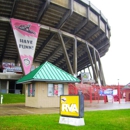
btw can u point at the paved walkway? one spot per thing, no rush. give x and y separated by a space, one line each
20 109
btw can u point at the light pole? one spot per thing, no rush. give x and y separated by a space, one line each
118 82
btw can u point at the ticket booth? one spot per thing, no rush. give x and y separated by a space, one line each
45 84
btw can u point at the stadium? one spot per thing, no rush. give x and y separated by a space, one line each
73 36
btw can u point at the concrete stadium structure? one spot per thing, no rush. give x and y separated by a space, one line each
73 35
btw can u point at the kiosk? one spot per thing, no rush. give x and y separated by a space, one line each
45 84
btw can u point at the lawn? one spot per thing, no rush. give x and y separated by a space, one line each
13 98
94 120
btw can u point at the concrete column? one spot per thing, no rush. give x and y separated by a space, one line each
65 54
7 87
101 74
95 62
91 62
90 72
75 57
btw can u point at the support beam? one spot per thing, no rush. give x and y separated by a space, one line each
89 72
81 25
80 59
4 19
63 32
94 30
75 57
54 52
97 40
81 63
103 52
40 14
67 15
65 54
95 62
102 79
43 45
100 46
100 75
13 8
54 30
71 58
84 22
80 66
42 11
91 61
103 49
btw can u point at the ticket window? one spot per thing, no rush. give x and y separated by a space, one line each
55 89
31 90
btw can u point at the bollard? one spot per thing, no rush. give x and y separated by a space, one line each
1 99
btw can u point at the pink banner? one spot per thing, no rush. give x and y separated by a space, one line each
26 34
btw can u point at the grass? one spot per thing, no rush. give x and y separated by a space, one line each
94 120
13 98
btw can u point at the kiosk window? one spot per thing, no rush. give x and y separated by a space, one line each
55 89
31 90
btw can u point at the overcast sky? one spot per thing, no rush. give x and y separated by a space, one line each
116 62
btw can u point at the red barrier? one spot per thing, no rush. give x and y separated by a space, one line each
91 92
72 89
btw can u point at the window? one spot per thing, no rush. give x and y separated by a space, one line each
50 90
60 89
55 89
31 90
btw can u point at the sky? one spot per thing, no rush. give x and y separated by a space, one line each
116 61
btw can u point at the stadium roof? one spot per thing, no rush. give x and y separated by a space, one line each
48 73
68 29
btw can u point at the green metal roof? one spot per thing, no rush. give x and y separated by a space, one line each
50 73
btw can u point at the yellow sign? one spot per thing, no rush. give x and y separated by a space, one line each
69 105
